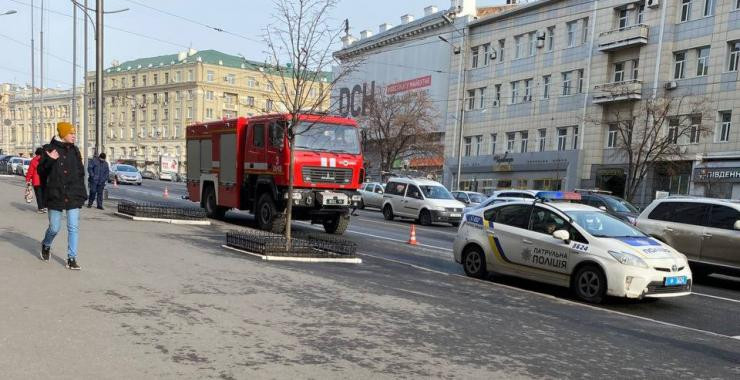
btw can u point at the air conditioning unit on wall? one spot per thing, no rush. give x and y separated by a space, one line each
671 85
653 3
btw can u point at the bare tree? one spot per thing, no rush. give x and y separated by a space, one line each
300 41
400 127
653 131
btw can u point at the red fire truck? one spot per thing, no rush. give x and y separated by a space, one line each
243 163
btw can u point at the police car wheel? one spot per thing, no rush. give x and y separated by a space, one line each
474 263
589 284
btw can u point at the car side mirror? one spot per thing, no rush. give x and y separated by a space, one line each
602 208
562 235
737 225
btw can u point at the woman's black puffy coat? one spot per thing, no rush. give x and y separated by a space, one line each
64 178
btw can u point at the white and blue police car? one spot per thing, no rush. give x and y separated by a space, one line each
572 245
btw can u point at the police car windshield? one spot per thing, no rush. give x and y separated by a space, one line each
435 192
601 224
619 205
327 137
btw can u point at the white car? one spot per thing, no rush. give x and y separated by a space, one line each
421 199
571 245
490 202
372 195
167 176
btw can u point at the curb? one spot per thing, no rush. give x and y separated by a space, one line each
297 259
168 221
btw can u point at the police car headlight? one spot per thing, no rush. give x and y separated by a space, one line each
628 259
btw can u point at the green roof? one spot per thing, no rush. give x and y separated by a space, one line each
209 57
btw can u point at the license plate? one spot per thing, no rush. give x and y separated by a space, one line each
334 201
675 281
456 215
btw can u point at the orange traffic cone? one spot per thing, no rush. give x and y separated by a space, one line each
412 237
166 193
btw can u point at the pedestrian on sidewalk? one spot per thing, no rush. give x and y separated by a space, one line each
64 189
34 179
97 172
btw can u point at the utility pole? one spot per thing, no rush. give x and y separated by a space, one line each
85 106
41 63
74 65
34 130
98 77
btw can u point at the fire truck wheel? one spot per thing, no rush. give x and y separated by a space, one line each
213 210
336 225
268 217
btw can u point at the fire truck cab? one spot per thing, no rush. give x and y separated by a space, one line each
243 164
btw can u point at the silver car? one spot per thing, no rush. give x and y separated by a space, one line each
125 174
706 230
372 195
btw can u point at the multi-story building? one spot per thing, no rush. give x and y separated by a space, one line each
410 56
17 128
540 112
150 101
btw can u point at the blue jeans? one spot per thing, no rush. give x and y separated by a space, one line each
73 224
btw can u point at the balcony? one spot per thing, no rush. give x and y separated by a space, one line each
617 92
631 36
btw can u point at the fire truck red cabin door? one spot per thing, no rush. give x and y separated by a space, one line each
255 161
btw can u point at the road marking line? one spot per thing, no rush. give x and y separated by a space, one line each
401 224
716 297
490 283
404 263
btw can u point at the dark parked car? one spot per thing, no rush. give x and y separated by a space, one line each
4 163
612 204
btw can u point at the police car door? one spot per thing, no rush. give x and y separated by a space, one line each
506 232
546 252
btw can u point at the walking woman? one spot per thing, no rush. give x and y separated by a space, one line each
34 179
61 167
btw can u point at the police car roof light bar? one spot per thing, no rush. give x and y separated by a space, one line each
559 195
596 191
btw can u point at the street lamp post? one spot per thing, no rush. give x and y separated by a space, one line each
460 101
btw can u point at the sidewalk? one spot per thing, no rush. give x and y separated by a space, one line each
164 301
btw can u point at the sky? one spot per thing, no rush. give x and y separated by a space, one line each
144 32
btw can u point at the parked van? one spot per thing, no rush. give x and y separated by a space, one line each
421 199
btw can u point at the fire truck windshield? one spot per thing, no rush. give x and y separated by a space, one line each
327 138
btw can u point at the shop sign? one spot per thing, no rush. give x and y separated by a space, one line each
717 174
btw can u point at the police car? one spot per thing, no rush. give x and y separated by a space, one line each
572 245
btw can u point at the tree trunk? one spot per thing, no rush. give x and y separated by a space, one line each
289 207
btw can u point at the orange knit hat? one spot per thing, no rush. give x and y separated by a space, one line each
64 128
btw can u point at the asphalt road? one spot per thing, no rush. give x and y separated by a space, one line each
714 306
173 304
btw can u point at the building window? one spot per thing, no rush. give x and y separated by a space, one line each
567 79
474 57
724 128
471 100
518 47
251 83
133 83
191 76
734 54
679 63
250 101
189 114
166 78
708 8
550 39
482 94
514 92
468 146
542 139
562 138
143 80
546 86
478 144
527 90
486 51
673 130
611 136
155 78
532 43
502 48
178 114
685 10
584 30
268 105
178 76
640 14
571 33
155 114
493 143
635 68
702 62
209 95
190 94
580 81
575 137
209 113
694 129
143 116
165 114
619 72
524 142
510 138
209 76
231 79
623 19
497 95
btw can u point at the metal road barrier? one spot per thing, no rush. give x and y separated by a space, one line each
304 245
160 210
